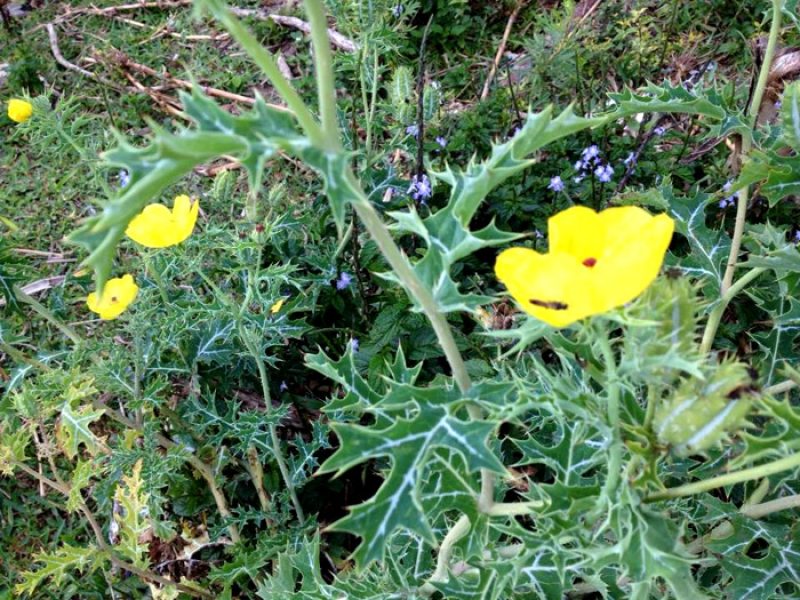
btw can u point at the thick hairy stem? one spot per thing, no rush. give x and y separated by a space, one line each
715 316
612 391
440 574
752 113
323 68
757 511
273 434
784 464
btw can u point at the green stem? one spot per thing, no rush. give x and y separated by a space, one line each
715 316
273 433
323 68
652 400
268 65
150 268
47 315
511 509
752 113
756 511
612 390
440 574
758 472
780 388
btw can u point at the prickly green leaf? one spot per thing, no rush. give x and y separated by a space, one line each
81 477
677 99
758 576
56 565
132 517
709 247
14 441
73 429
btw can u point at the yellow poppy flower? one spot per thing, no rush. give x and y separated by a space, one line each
118 293
159 227
277 306
19 110
596 262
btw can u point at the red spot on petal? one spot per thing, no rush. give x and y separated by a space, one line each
590 262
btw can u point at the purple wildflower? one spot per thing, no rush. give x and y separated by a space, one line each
659 131
577 178
590 153
604 173
354 344
344 281
124 178
797 237
556 184
441 141
397 10
580 165
283 387
412 130
630 159
729 201
538 234
420 188
778 104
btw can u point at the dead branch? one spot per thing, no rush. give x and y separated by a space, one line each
54 48
501 49
337 39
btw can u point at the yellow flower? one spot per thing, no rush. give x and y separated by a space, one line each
277 306
117 295
19 110
158 227
596 262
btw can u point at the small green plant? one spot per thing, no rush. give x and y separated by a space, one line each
601 440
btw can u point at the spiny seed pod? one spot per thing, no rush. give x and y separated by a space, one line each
401 95
431 99
222 188
673 304
702 413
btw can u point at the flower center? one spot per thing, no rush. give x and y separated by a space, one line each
589 262
113 299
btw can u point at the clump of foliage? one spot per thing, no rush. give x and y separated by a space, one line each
207 443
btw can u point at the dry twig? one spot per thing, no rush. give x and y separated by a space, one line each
501 49
337 39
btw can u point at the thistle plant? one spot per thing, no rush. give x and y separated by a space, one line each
544 477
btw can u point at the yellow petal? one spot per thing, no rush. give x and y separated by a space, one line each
184 215
632 263
19 110
576 231
277 306
153 227
118 293
554 288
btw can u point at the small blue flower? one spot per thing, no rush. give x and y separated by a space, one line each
344 281
604 173
797 237
630 159
283 387
556 184
727 186
354 344
577 178
729 201
413 130
778 104
441 141
538 234
590 153
659 131
124 178
580 165
397 10
420 188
